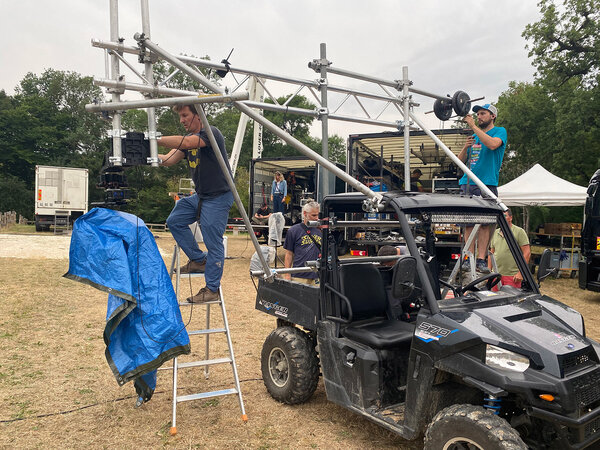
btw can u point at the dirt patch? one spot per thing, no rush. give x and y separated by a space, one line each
54 375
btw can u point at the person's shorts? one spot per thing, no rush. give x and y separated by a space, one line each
473 189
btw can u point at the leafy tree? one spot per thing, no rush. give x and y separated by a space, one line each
565 42
527 112
16 196
45 123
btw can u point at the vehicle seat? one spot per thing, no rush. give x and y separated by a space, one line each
363 286
402 308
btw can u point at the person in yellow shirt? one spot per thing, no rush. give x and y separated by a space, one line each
507 267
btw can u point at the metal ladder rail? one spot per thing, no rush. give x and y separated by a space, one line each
206 363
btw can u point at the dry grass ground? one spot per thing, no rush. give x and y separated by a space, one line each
54 375
55 380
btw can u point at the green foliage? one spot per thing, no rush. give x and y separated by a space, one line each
16 196
134 120
565 42
242 184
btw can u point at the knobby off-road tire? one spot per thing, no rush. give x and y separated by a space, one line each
289 365
471 427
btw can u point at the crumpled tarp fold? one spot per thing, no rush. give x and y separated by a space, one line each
115 252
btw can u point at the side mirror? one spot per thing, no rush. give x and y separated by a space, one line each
544 269
403 279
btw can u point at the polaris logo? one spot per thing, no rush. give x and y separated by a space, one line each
276 307
562 339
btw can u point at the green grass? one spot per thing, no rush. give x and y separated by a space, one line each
19 229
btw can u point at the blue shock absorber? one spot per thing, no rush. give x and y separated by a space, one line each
493 403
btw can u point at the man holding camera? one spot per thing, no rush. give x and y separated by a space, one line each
483 153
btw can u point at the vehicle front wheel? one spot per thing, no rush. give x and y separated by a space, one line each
289 365
471 427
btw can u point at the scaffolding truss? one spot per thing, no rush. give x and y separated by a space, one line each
397 94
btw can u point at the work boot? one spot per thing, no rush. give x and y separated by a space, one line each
481 266
193 267
466 265
204 295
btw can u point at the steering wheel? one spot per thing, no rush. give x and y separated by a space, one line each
454 289
492 280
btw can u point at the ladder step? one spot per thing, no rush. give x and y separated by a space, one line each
209 331
203 303
185 398
204 362
188 275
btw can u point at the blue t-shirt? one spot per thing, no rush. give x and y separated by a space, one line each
484 162
299 242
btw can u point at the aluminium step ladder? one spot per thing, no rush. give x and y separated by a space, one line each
207 362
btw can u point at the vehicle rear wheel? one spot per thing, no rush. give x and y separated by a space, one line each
289 365
471 427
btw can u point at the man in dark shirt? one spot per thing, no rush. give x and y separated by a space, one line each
212 201
261 216
303 243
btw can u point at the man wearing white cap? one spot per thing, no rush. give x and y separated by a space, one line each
483 153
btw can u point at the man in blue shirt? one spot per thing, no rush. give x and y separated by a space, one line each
483 153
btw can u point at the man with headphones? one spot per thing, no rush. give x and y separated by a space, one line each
209 205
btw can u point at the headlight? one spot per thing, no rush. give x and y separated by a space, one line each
500 358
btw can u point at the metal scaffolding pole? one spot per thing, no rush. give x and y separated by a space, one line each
324 176
292 80
153 160
188 99
117 158
392 83
156 90
374 197
406 109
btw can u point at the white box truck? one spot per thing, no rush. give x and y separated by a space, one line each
59 191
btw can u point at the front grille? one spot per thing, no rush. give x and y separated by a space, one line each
587 389
576 361
592 427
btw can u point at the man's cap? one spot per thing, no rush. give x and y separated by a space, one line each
417 171
490 108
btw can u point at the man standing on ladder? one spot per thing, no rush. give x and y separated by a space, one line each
209 205
483 153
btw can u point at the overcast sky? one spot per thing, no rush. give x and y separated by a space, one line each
474 46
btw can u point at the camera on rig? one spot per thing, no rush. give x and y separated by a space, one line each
135 151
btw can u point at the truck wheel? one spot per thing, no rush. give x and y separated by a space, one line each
471 427
289 365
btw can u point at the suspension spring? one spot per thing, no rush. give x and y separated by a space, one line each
493 403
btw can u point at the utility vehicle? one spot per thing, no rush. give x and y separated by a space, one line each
449 358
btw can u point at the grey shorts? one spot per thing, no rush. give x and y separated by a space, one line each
473 189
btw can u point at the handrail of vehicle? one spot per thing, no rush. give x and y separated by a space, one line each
311 266
346 299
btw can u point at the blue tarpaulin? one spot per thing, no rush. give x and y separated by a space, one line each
115 252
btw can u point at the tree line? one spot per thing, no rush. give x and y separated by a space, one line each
553 120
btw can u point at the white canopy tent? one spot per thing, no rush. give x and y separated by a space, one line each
538 187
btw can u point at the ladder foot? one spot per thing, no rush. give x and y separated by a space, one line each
173 431
244 418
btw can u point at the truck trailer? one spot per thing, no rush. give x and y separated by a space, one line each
301 175
61 194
